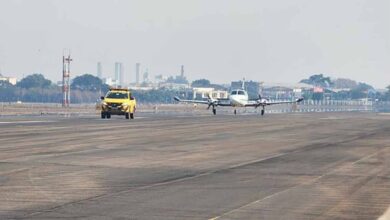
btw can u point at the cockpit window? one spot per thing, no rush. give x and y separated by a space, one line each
234 92
241 92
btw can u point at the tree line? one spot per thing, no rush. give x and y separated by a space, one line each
88 88
342 89
84 89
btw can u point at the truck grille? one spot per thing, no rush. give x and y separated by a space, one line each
114 105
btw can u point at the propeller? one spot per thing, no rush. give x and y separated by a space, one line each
260 101
211 101
176 98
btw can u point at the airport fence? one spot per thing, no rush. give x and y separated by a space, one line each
332 106
7 108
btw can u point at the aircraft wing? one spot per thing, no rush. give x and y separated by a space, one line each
257 104
224 104
191 101
285 102
219 102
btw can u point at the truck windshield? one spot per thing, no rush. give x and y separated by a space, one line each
117 95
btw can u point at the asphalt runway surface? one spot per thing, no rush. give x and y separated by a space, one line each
281 166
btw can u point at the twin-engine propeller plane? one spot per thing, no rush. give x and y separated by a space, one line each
237 98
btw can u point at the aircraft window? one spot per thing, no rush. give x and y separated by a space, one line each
241 93
234 93
117 95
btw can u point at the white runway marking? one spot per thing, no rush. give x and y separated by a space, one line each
22 122
386 215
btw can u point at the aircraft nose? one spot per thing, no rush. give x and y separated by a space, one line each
234 99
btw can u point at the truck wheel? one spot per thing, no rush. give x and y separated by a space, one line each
108 115
103 115
127 115
132 115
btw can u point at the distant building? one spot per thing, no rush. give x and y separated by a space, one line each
137 70
145 76
99 72
11 80
284 90
160 78
143 87
119 74
110 81
202 93
174 86
182 71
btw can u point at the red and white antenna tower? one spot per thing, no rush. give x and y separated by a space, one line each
65 80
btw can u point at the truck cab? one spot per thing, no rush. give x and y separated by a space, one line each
118 102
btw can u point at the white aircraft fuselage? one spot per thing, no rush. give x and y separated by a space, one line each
237 98
240 98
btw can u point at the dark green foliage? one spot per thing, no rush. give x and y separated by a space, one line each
88 82
357 90
6 85
387 94
318 96
87 89
201 83
53 95
34 81
156 96
7 92
342 83
361 91
318 80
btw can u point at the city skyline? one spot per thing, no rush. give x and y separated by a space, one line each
283 41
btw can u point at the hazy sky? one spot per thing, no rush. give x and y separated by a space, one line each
222 40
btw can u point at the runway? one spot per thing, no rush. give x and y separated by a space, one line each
162 166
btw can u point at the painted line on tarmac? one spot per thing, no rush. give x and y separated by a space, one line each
23 122
311 181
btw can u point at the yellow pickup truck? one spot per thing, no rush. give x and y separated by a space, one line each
118 102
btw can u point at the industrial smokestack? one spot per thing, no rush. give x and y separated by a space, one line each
137 69
99 72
